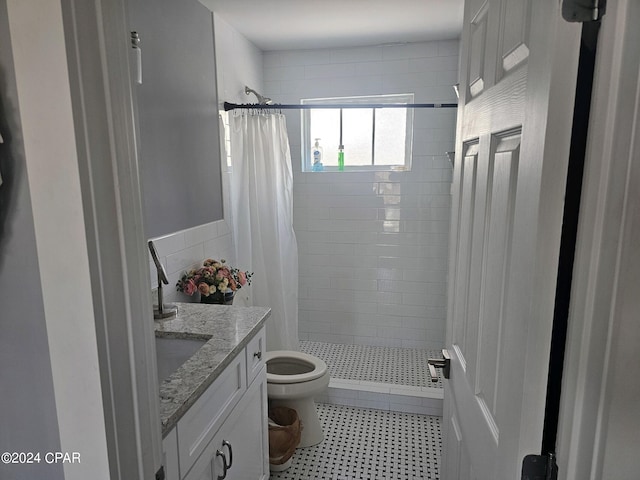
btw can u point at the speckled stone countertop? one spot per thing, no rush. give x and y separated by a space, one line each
227 328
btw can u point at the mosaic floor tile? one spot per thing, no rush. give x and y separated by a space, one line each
370 444
399 366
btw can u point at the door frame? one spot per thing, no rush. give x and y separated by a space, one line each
597 346
89 149
103 99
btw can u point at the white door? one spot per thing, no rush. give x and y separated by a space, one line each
517 82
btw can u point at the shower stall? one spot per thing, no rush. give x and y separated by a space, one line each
372 245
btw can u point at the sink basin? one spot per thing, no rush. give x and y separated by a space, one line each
173 352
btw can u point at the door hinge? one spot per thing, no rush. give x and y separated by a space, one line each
540 467
583 10
135 44
160 473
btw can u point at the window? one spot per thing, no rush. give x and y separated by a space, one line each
373 138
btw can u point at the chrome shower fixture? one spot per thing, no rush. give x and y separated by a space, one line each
261 100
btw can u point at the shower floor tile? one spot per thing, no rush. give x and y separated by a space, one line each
370 444
366 363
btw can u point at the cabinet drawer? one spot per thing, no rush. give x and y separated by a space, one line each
201 422
256 348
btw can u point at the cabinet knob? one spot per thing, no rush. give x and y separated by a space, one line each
258 354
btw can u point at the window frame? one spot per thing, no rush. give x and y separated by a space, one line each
305 119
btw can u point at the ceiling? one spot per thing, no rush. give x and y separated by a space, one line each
304 24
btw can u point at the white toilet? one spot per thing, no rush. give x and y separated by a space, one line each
293 379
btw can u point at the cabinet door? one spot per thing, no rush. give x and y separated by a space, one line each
170 454
245 431
202 470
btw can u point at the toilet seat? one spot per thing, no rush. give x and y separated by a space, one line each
311 367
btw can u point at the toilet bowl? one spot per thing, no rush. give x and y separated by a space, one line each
293 379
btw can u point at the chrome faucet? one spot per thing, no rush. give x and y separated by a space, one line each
161 311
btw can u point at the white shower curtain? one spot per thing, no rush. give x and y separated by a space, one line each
261 189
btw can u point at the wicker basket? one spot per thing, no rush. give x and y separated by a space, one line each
284 437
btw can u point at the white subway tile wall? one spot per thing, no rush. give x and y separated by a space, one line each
373 246
186 249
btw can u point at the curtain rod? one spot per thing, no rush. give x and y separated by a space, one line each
232 106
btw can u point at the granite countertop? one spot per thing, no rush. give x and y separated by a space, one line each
227 328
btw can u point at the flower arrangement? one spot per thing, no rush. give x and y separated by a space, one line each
213 278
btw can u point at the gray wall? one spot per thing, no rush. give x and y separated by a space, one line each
27 405
178 115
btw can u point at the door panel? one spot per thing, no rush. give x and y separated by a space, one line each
514 123
477 67
514 35
476 248
466 214
455 460
452 449
503 168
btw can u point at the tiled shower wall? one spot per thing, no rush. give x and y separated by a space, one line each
373 246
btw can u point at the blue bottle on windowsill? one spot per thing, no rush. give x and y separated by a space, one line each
316 153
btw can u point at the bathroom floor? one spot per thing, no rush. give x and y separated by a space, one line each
400 366
363 443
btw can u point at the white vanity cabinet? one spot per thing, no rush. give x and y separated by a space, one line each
237 451
224 434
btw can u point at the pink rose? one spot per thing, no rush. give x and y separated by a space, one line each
243 278
189 287
233 285
203 288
